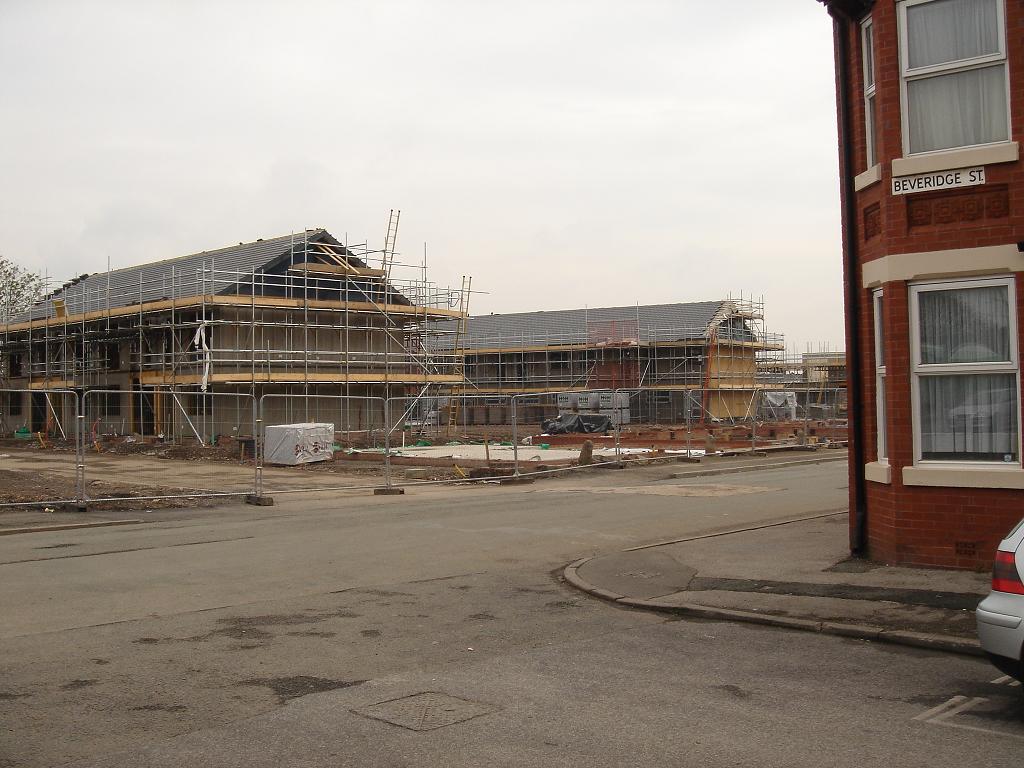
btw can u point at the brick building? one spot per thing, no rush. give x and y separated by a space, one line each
931 112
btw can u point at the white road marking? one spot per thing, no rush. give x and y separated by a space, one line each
963 706
1008 680
924 716
957 705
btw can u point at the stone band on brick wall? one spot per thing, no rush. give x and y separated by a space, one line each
959 262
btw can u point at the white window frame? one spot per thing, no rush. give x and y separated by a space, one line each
867 57
882 448
979 62
919 370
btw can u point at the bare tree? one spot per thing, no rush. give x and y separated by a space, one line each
19 289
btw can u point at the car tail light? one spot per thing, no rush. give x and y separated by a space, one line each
1005 577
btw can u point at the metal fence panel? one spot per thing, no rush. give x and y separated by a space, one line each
357 423
42 418
206 438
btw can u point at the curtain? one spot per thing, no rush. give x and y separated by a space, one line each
951 30
958 109
965 325
969 417
961 108
880 417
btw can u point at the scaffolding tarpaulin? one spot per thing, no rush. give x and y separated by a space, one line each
780 405
292 444
199 342
577 422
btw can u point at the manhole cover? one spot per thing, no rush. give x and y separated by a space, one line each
425 711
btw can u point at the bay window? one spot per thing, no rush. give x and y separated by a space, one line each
953 66
965 371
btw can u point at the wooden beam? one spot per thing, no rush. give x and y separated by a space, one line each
331 269
51 384
413 312
337 258
155 378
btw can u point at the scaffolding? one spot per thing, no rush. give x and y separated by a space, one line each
303 313
720 353
818 379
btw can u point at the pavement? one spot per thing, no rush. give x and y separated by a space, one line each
796 574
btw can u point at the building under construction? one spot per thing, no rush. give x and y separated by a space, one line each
816 379
696 360
168 342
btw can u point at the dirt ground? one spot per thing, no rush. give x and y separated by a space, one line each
27 486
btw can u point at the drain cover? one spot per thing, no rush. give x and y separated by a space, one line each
425 711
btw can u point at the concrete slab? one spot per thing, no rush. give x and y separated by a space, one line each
494 452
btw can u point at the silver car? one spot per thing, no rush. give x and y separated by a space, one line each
1001 614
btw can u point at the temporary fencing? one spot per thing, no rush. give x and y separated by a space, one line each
289 419
463 435
34 415
184 425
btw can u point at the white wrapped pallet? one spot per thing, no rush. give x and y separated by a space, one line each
566 401
619 416
292 444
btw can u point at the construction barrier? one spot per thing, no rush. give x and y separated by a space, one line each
184 427
306 430
464 435
43 418
221 445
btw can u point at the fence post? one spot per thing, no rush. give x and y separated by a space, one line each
616 405
754 421
807 417
80 451
689 408
256 497
388 489
515 439
257 442
387 442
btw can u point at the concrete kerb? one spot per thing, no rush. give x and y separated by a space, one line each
711 471
65 527
856 631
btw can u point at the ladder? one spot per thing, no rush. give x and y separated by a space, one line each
388 257
459 368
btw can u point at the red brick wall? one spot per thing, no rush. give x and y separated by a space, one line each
936 526
1001 221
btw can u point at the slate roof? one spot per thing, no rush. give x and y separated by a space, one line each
602 325
154 280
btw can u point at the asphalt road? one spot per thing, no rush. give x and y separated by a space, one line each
272 636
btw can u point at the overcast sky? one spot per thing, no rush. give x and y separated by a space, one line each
562 153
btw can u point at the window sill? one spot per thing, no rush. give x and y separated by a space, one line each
1006 152
872 175
964 477
878 472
